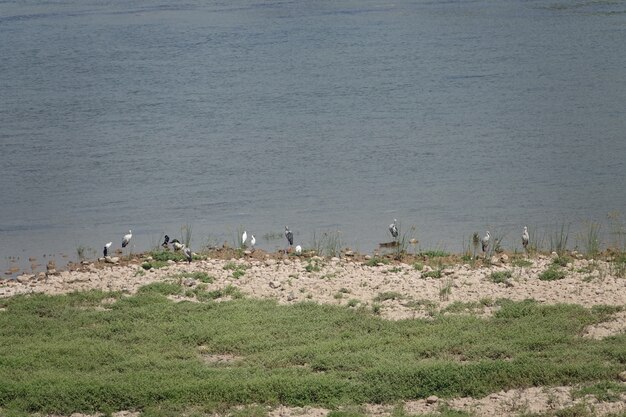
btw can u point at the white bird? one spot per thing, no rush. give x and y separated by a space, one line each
177 245
252 241
106 248
298 250
289 236
127 238
244 237
393 229
485 241
187 252
525 237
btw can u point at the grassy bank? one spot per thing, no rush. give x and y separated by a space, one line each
74 353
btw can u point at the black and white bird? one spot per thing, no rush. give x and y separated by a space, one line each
525 237
166 240
177 245
244 237
289 236
485 241
127 238
106 248
187 252
393 229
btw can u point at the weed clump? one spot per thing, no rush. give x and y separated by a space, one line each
436 273
500 277
553 273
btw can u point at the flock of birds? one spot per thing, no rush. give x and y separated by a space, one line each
393 229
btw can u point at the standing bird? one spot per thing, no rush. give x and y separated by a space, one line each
165 241
525 237
289 236
177 245
127 238
485 241
298 250
187 252
393 229
244 237
106 248
252 241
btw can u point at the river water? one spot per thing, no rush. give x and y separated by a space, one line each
452 116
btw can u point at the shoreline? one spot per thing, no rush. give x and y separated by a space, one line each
415 287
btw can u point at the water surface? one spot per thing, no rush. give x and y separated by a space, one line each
453 116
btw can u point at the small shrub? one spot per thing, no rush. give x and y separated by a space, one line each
418 266
432 274
376 308
376 260
562 261
500 277
200 276
353 302
153 264
239 270
522 263
553 273
166 255
228 291
163 288
389 295
312 266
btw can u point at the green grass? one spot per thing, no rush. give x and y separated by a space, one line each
199 276
166 255
60 355
313 266
521 263
376 260
436 273
562 260
553 273
153 264
389 295
500 277
239 270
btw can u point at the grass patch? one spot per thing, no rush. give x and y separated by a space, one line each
561 260
153 264
500 277
435 273
198 276
603 391
313 265
377 260
553 273
59 357
521 263
238 270
389 295
166 255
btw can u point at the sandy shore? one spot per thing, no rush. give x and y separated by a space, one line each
396 290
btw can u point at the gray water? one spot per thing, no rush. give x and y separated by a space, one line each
452 116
